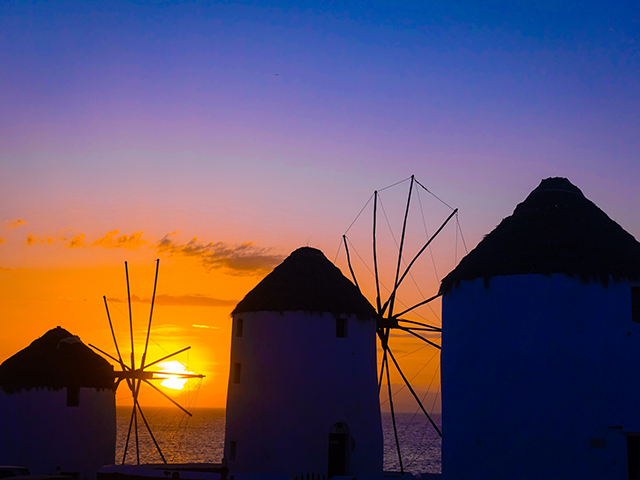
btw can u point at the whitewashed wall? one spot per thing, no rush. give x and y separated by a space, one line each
298 380
39 431
533 369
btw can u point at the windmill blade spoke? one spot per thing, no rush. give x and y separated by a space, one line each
168 398
413 392
393 417
425 325
126 444
375 252
406 271
420 337
113 333
155 442
424 302
346 248
168 356
124 367
404 229
384 361
153 299
133 357
173 374
135 420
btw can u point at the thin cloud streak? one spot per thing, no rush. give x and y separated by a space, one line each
243 259
128 242
11 224
195 300
77 241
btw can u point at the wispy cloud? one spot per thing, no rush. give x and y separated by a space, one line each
77 241
243 259
128 242
10 224
45 239
195 300
205 327
3 240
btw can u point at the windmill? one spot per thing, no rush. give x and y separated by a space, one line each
393 319
135 376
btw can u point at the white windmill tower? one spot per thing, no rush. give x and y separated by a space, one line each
303 392
57 407
541 346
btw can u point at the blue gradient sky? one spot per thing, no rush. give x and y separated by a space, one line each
179 102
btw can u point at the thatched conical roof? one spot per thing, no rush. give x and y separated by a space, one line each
306 281
56 360
555 230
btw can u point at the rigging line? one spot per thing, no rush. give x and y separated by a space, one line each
455 251
420 337
461 235
360 257
423 397
405 262
393 418
424 224
417 455
384 212
433 406
407 354
417 323
422 452
396 284
358 216
337 253
394 184
415 258
395 362
418 305
431 193
412 378
346 248
155 442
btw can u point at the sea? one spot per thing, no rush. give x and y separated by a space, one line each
200 438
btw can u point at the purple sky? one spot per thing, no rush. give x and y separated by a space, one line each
261 118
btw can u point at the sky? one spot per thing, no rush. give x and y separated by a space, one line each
220 136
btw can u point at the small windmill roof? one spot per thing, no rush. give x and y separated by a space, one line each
306 281
555 230
56 360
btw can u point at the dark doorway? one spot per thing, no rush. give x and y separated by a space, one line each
339 450
633 456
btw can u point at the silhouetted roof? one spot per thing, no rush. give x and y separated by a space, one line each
306 281
56 360
555 230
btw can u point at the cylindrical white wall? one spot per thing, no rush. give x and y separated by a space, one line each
539 378
41 432
297 380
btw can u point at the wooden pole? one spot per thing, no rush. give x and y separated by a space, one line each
393 418
375 251
414 393
346 247
391 300
133 358
153 299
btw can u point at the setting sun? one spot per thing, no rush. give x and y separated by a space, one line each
173 381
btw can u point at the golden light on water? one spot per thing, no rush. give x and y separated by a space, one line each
172 381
